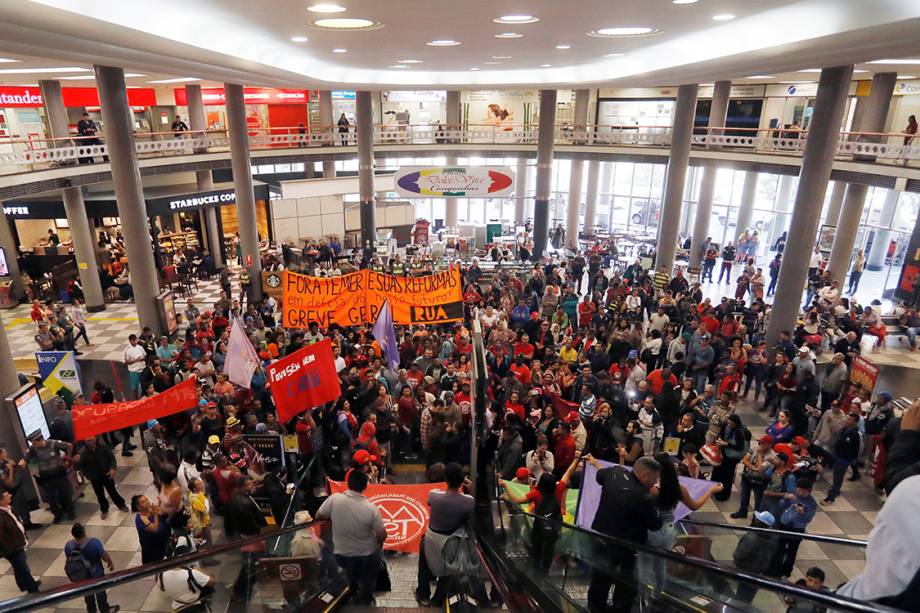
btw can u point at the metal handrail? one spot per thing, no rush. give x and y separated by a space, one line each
820 538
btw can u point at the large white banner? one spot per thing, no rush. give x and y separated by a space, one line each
454 181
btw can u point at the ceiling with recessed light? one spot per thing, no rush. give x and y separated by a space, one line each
474 43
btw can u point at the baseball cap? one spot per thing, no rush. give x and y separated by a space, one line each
211 404
885 396
522 473
766 438
213 439
572 417
801 441
362 457
765 517
151 423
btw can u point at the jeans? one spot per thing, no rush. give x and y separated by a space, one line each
700 377
97 601
747 487
726 271
21 571
788 549
707 271
81 332
103 485
772 287
622 563
361 572
854 281
912 336
840 471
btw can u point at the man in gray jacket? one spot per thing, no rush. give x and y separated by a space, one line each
834 376
754 552
699 361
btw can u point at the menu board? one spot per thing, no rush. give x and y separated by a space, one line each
31 413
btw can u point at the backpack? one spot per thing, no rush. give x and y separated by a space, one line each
77 567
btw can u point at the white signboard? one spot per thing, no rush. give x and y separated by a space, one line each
454 181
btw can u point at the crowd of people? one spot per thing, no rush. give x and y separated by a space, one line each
588 360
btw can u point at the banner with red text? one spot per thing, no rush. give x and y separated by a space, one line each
304 379
404 509
864 372
92 419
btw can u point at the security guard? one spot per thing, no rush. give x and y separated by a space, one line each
48 461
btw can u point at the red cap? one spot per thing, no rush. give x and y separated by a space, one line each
766 438
212 404
572 417
522 473
363 457
801 441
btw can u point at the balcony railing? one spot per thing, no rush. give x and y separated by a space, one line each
25 155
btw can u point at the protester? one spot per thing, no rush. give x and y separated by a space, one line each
85 557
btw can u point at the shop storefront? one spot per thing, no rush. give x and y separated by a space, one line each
419 108
265 107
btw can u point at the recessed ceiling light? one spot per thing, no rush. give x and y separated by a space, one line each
444 42
410 61
346 23
128 75
707 84
906 77
509 35
684 1
340 50
474 68
326 8
6 60
546 65
818 70
398 66
516 19
66 69
299 39
896 61
723 17
492 63
761 76
563 47
178 80
501 57
634 31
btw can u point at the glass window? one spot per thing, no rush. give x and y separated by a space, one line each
621 212
658 174
622 178
493 210
437 208
723 191
642 181
298 167
266 169
282 168
766 192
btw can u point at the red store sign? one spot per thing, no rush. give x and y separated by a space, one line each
31 97
252 95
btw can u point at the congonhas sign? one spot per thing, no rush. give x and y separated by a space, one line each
454 181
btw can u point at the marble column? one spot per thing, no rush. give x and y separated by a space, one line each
365 128
327 125
11 250
594 171
545 145
573 210
681 134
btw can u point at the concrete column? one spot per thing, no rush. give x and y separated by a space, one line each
452 110
365 128
748 195
9 380
11 249
836 201
450 204
871 111
129 194
242 185
607 187
879 251
327 123
520 191
594 172
545 143
573 212
681 133
197 121
84 244
717 113
820 146
783 202
581 112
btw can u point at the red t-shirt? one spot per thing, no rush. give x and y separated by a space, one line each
466 407
516 408
524 349
534 497
521 373
564 452
656 381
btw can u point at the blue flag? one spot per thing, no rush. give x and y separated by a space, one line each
385 335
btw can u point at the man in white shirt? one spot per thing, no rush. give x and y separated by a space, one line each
136 360
814 262
185 585
339 360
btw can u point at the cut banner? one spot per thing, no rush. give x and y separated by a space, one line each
357 297
92 419
305 379
404 509
591 494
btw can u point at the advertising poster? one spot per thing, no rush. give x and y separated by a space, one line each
357 297
303 380
59 371
404 509
864 372
454 182
501 109
911 268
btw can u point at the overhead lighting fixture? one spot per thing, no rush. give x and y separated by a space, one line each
299 39
613 55
761 76
177 80
443 42
410 61
501 57
634 31
818 70
515 19
906 77
398 66
684 1
326 8
474 68
340 50
546 65
563 47
492 63
6 60
64 70
723 17
88 77
509 35
346 23
897 61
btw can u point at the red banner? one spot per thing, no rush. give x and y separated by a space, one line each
31 97
864 372
404 509
304 379
92 419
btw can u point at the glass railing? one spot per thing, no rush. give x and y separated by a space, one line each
285 569
577 569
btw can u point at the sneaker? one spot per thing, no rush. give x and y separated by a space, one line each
855 477
114 608
423 602
739 515
827 501
127 454
105 515
124 509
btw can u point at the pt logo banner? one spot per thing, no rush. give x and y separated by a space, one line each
59 370
404 509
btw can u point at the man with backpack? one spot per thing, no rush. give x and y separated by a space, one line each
84 559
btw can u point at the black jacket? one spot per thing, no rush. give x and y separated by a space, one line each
96 464
248 519
12 539
626 508
847 446
903 458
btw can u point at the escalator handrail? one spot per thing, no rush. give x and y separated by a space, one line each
828 599
821 538
505 579
70 591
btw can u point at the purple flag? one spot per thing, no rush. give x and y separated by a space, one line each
242 359
591 494
385 335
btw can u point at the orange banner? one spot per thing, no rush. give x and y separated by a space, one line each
356 298
404 509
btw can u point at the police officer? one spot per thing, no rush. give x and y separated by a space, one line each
47 458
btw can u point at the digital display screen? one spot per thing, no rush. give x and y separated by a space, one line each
31 413
4 267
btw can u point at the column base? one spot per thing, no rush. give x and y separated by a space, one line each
95 309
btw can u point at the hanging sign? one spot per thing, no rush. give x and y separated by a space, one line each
454 181
59 370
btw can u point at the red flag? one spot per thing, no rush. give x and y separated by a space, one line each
92 419
304 379
404 509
